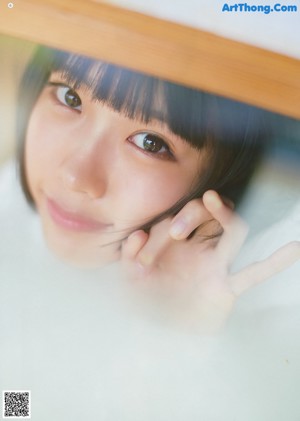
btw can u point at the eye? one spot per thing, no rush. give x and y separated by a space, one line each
68 97
151 143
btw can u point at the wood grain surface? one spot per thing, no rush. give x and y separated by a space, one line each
179 53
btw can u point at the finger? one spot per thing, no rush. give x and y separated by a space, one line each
235 229
133 244
191 216
260 271
158 241
227 202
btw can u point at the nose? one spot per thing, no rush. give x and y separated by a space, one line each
91 152
82 172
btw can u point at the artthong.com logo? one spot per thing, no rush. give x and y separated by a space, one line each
265 8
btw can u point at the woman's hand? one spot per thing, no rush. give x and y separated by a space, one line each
185 263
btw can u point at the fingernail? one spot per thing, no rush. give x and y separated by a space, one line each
178 228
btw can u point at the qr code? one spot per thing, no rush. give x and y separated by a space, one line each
16 404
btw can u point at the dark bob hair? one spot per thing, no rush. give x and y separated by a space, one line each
230 132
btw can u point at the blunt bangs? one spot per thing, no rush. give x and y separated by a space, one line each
195 116
187 112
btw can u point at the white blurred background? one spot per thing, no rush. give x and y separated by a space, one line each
72 338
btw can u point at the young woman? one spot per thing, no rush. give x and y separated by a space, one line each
120 165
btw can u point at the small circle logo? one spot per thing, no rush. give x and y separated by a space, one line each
10 5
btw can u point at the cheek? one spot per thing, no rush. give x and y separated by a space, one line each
40 150
147 194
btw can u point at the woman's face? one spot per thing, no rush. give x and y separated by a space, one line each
95 174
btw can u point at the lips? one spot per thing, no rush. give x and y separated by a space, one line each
71 220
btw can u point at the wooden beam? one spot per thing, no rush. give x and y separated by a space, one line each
161 48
